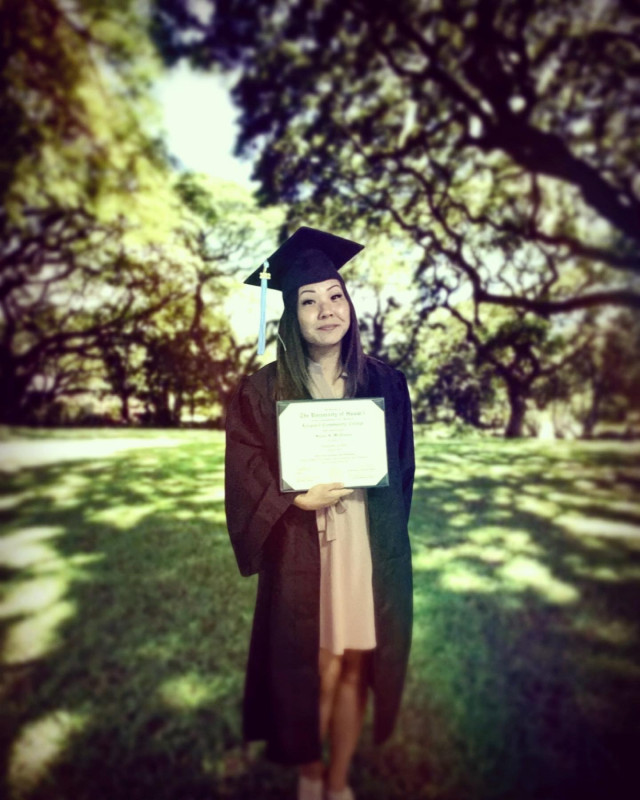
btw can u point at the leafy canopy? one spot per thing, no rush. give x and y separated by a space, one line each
500 136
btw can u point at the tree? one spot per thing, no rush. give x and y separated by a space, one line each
500 136
74 93
69 286
603 384
185 355
112 268
521 351
79 172
455 388
491 373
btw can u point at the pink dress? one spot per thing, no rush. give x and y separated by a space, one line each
346 591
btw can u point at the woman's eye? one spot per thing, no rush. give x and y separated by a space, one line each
336 297
307 302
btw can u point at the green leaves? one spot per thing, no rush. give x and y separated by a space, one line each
474 127
113 269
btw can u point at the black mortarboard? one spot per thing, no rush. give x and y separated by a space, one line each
308 256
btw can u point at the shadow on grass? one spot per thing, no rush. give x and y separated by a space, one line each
125 628
525 669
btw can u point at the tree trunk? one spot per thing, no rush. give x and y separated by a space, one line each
161 415
124 407
176 414
593 413
517 410
12 396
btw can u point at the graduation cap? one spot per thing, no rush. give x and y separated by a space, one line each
308 256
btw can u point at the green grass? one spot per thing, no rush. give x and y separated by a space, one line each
15 433
125 628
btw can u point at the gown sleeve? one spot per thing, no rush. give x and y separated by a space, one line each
406 448
253 502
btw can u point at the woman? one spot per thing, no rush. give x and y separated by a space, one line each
334 604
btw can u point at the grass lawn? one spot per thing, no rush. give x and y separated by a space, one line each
125 626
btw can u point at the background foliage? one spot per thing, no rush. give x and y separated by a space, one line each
486 152
114 263
498 139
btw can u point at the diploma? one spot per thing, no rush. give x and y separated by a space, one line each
327 441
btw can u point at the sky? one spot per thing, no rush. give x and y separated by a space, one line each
199 120
200 128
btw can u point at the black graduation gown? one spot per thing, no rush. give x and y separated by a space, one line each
279 541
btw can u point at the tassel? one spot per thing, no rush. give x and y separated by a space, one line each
264 277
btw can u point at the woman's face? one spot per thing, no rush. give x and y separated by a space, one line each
323 313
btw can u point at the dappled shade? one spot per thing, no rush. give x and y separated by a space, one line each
125 627
527 573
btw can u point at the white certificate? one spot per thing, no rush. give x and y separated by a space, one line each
327 441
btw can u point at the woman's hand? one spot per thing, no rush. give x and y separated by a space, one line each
321 495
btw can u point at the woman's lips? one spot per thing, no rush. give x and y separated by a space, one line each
328 327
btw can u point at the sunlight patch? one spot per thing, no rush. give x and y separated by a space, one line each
65 492
599 526
211 494
452 507
15 455
124 516
461 520
37 635
576 500
486 535
38 747
586 485
192 691
606 573
28 596
459 579
498 471
609 574
69 567
537 505
492 554
432 558
614 631
624 507
184 515
502 495
473 496
217 518
24 548
520 541
525 573
512 540
26 555
10 501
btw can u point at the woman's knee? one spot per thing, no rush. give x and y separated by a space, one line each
330 670
354 666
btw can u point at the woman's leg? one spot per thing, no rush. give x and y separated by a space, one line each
350 698
329 666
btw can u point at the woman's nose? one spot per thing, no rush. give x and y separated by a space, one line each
324 310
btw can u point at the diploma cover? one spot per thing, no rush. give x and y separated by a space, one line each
327 441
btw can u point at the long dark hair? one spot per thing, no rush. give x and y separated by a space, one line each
292 374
